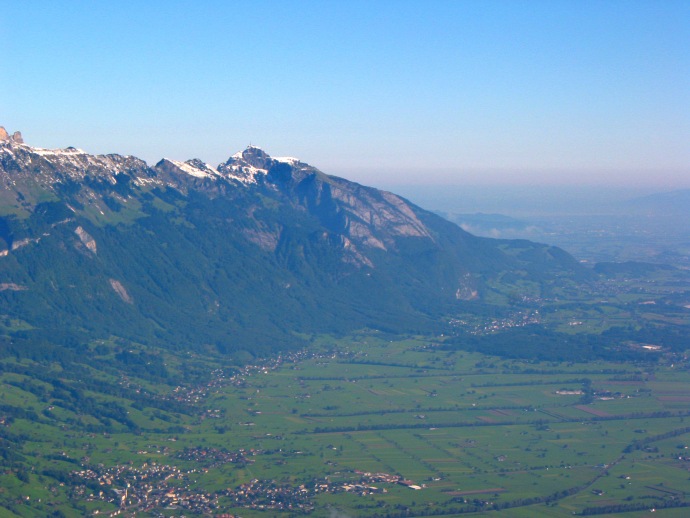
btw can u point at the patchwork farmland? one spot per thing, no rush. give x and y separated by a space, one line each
369 427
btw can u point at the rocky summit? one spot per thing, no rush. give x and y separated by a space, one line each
257 252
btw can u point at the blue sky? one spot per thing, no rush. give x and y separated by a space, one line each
381 92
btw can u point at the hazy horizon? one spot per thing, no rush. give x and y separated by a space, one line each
521 200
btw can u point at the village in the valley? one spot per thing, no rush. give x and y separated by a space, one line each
155 486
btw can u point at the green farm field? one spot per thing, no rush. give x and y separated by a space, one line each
362 426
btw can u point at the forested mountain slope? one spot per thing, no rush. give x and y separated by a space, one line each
252 254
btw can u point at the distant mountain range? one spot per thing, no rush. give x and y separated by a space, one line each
491 225
673 203
254 254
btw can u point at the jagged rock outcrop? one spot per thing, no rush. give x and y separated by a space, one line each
86 239
120 290
15 137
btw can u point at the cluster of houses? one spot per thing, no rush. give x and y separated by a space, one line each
498 324
152 486
268 495
389 479
194 394
214 457
161 486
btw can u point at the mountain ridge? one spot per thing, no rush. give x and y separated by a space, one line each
254 252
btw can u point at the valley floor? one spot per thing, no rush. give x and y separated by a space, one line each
363 426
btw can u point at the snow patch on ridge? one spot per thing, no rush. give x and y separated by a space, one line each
202 170
243 173
70 151
286 159
69 162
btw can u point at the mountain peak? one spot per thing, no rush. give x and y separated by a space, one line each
254 156
251 148
245 166
15 137
194 167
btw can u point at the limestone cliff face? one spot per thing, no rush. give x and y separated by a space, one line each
368 218
362 218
